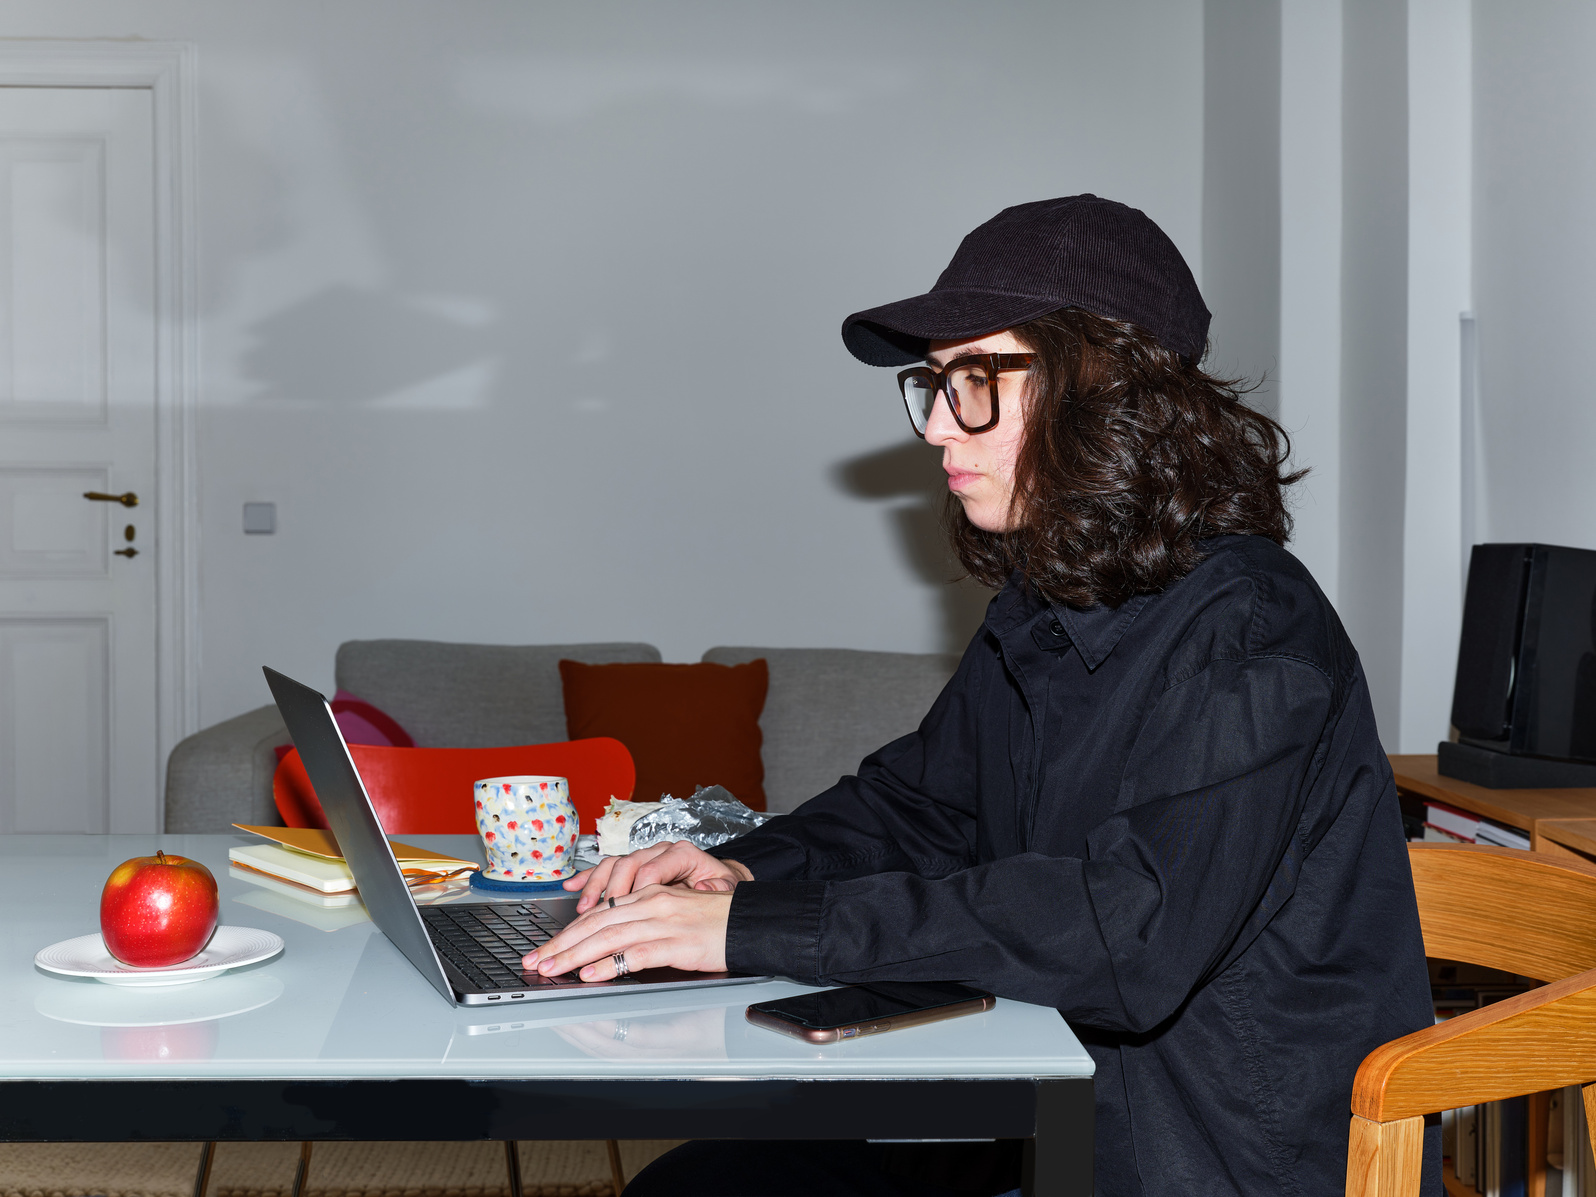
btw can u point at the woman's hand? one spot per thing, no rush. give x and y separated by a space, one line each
659 926
664 864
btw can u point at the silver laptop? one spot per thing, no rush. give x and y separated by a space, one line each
470 951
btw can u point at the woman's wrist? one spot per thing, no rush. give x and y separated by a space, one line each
744 873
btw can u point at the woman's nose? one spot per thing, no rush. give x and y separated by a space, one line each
940 426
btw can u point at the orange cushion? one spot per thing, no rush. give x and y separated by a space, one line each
686 725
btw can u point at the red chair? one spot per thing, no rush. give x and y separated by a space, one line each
427 791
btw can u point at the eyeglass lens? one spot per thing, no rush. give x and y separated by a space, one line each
969 390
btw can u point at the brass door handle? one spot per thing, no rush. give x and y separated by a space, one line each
128 552
128 500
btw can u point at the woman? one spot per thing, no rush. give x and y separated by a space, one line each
1152 796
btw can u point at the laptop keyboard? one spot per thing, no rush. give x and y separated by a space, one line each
486 942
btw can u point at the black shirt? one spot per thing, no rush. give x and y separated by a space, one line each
1174 822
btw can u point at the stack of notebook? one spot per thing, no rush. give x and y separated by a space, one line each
309 859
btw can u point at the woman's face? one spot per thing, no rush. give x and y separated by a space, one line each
981 466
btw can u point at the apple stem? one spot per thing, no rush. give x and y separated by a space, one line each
160 857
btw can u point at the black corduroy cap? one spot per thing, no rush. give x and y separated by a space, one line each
1077 252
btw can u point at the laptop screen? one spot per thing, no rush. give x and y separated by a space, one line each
355 825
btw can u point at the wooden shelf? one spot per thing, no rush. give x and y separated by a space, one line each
1576 834
1529 810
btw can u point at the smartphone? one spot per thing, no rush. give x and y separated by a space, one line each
833 1015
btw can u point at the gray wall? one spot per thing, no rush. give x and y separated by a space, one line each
525 314
1241 191
1374 343
1535 259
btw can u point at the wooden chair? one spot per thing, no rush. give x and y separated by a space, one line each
427 791
1523 912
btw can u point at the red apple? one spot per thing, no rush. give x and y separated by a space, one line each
157 911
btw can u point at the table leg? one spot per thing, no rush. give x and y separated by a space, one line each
1058 1161
202 1178
617 1173
302 1172
512 1166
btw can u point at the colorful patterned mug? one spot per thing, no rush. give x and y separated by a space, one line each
528 827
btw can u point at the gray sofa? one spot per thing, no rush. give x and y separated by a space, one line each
827 708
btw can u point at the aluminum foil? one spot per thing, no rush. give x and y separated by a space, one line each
710 817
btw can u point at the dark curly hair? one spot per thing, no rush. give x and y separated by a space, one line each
1131 456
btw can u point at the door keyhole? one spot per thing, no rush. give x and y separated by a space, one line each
128 533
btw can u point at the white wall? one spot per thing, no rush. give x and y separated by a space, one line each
1535 259
1309 381
525 314
1376 268
1440 160
1241 192
1373 349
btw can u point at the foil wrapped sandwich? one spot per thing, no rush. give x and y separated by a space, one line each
710 817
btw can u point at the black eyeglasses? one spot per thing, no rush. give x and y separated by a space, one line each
970 383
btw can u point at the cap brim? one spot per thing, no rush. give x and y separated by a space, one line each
900 334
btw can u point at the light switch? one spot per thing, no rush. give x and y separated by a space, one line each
260 519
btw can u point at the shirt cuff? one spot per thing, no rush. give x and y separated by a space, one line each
765 857
774 927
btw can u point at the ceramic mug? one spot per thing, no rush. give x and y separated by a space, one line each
528 828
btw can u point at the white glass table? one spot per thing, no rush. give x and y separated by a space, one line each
340 1038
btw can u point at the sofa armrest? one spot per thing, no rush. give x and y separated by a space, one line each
223 775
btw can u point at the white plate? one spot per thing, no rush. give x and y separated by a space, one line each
230 947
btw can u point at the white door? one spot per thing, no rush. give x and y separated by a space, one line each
77 417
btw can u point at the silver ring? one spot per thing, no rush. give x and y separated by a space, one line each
612 903
620 964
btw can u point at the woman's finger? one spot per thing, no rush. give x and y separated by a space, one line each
603 937
612 877
623 872
624 880
579 928
598 878
667 866
637 956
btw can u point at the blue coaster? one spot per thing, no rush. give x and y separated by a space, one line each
478 881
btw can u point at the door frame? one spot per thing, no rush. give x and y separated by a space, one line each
167 69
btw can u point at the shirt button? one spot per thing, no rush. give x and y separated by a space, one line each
1056 628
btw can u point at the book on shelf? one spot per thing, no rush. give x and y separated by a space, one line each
1451 820
1446 824
1502 837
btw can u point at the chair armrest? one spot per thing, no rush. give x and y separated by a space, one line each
223 775
1544 1039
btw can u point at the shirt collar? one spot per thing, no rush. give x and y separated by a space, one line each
1096 630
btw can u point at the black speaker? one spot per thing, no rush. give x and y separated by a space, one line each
1526 668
